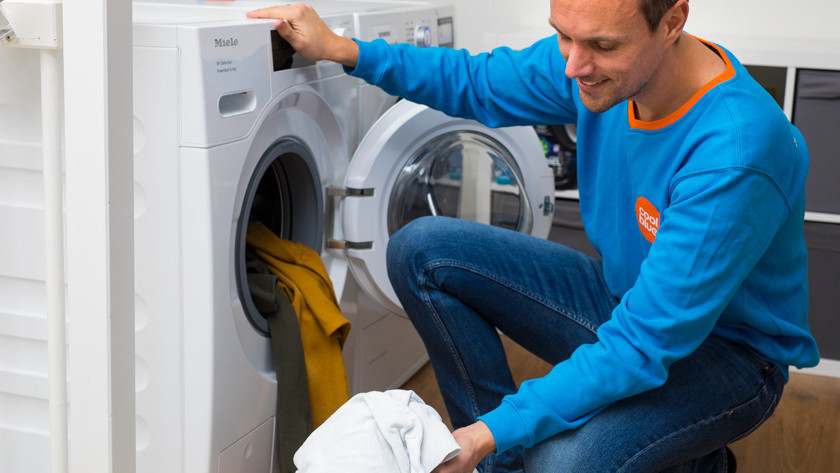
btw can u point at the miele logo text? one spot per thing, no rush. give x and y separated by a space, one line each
226 43
648 217
384 34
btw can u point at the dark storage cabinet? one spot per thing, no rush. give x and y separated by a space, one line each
816 112
567 227
773 79
823 240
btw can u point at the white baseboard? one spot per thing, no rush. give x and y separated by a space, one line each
825 367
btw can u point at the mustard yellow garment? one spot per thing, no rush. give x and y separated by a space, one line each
323 329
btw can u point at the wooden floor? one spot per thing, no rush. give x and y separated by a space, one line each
802 436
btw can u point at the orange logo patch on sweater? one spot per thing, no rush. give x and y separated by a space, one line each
648 218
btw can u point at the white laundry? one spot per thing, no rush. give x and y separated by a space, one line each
382 432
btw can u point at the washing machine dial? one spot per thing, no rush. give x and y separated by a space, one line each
423 36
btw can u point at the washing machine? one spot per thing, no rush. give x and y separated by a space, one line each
413 161
230 126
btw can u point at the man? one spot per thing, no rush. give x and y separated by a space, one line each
691 186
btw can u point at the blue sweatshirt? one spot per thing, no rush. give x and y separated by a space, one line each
698 218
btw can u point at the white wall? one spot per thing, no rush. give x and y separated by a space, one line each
790 19
518 22
479 22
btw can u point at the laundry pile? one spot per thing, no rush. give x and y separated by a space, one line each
290 287
392 431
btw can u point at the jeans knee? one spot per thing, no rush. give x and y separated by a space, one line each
403 240
553 455
403 247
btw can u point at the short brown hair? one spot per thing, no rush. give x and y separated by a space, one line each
654 10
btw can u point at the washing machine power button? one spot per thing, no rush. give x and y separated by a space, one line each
423 36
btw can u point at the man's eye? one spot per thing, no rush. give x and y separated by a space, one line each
604 47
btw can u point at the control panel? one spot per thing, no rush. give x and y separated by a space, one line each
419 26
229 65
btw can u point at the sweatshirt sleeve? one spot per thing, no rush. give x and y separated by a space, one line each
682 289
500 88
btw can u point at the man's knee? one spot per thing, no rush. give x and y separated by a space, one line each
405 247
404 242
424 238
556 454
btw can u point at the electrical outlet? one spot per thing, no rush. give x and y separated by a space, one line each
7 33
31 23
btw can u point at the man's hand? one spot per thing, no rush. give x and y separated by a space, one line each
476 442
309 35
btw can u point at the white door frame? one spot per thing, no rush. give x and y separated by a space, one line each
100 234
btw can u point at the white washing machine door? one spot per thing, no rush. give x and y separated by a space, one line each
416 161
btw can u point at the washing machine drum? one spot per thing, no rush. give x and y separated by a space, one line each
435 182
285 195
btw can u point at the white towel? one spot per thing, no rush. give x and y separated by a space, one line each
388 432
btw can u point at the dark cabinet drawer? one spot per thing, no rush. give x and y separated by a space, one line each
816 112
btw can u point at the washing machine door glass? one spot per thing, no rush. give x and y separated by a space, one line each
416 161
462 174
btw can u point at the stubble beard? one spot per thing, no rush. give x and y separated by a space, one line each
594 105
615 96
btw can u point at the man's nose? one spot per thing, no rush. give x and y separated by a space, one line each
578 62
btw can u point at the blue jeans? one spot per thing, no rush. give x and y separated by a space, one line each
460 282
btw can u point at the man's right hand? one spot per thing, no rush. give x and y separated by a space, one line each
301 26
476 442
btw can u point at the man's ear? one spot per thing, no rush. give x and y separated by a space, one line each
674 20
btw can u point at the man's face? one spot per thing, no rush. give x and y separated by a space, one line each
609 49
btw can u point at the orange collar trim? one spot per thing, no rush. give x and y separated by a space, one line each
727 74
